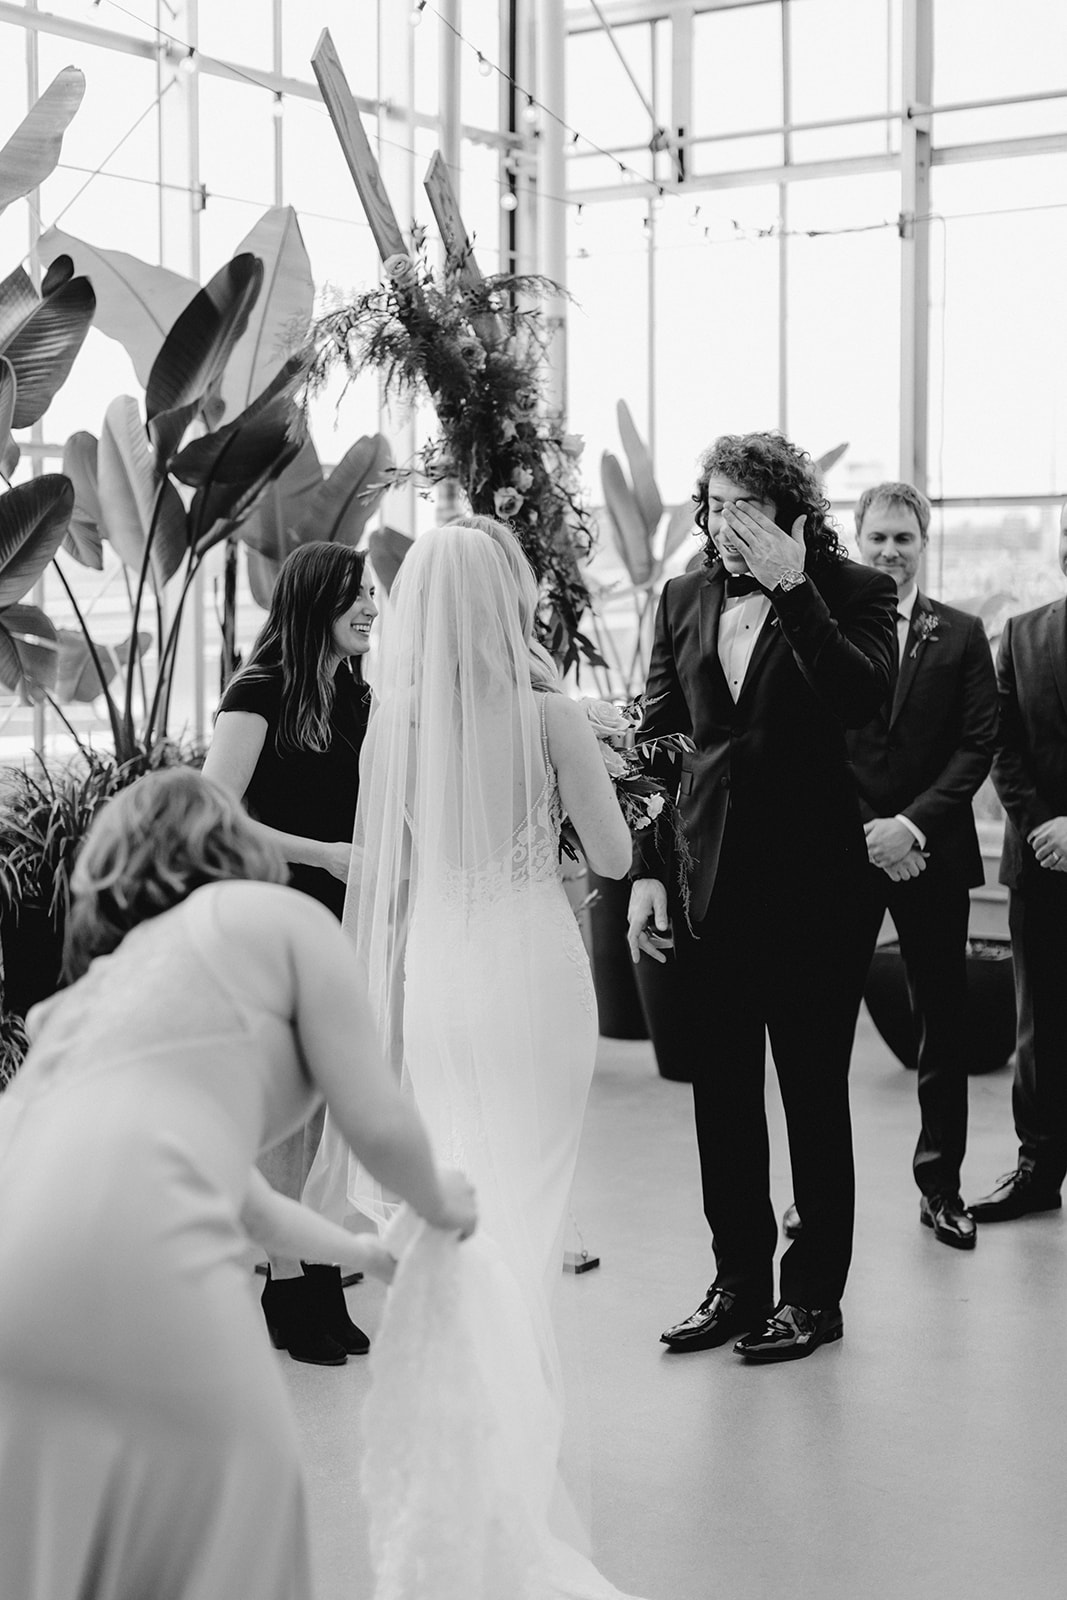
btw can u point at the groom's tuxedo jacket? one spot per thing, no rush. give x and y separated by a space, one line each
771 773
1030 770
932 741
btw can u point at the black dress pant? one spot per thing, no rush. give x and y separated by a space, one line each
930 914
774 960
1037 917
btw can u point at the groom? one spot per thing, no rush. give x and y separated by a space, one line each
764 658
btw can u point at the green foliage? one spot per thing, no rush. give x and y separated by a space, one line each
13 1046
478 349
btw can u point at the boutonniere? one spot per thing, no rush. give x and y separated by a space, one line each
926 625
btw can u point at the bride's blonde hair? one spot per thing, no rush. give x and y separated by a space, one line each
151 846
544 674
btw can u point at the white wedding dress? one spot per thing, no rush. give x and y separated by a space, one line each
478 972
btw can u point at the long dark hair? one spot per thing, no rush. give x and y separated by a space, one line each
771 468
317 584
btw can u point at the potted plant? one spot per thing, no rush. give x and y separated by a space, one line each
989 1034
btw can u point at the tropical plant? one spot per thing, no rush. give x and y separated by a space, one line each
477 347
41 332
126 489
13 1046
45 812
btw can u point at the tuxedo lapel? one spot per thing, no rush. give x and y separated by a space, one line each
1056 644
712 594
915 648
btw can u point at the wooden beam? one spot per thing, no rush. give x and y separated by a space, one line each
445 207
348 126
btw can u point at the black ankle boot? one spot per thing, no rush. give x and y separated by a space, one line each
295 1323
332 1311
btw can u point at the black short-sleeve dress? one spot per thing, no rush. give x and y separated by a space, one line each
309 794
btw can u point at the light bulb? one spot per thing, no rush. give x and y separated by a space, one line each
416 17
578 217
508 201
484 67
530 115
276 106
188 61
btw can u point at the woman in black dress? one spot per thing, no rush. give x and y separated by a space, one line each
287 739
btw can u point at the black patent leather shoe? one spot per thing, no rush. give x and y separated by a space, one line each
719 1317
791 1223
792 1332
948 1217
1017 1194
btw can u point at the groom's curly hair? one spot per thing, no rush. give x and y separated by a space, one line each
771 468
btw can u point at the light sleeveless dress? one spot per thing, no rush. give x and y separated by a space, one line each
147 1445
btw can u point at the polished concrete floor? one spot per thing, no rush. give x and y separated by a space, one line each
924 1456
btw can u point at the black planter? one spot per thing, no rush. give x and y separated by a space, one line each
618 1002
990 1024
664 1002
33 954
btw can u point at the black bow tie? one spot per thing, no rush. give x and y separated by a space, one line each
739 584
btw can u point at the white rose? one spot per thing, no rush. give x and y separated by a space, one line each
400 270
605 719
522 478
506 502
615 763
572 444
654 805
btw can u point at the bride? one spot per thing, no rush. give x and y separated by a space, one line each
481 986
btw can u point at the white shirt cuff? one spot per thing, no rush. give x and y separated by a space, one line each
920 836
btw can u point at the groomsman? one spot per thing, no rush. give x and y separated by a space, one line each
1030 775
764 657
918 764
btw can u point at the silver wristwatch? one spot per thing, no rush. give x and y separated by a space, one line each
791 578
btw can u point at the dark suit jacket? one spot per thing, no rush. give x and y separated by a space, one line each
775 763
1030 769
932 743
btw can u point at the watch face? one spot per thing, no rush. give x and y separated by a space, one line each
790 580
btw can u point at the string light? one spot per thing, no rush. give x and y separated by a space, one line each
276 107
694 220
416 16
578 216
529 113
508 201
484 67
188 61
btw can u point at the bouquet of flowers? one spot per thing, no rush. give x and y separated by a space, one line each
645 802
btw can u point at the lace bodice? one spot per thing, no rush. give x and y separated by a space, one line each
531 857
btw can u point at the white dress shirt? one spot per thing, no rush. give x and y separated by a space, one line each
740 621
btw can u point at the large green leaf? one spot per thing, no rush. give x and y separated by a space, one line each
270 530
645 491
136 303
189 367
344 503
830 459
41 335
262 575
627 524
241 451
33 520
280 319
128 485
9 450
220 510
78 678
388 547
84 538
31 153
680 525
28 656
